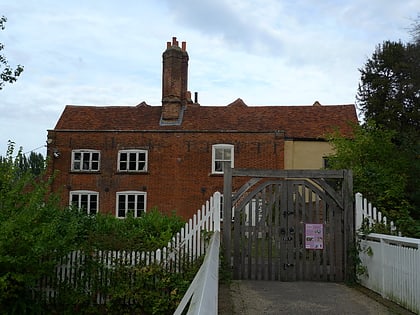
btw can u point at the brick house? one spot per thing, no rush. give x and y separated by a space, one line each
114 158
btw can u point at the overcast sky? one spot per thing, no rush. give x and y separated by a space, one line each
267 52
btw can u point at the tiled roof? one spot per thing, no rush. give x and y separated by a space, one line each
309 122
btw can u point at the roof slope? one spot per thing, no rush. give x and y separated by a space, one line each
296 121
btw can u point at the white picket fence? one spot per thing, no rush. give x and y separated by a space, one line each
391 262
367 215
185 247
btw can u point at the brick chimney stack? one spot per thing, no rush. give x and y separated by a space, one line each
175 93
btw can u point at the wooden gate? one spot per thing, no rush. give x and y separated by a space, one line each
289 225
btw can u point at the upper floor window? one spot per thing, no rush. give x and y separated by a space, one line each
131 202
132 161
85 160
221 153
85 200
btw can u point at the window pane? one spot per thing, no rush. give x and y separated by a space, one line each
141 166
77 156
131 202
121 206
86 160
95 156
76 165
132 165
142 156
218 166
227 154
75 200
84 202
140 202
133 156
219 154
140 205
132 161
93 204
95 166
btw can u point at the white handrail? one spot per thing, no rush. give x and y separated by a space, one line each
203 290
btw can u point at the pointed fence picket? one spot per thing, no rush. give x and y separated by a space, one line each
367 215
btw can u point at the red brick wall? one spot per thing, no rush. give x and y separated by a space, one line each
179 165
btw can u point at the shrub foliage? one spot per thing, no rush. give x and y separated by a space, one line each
37 235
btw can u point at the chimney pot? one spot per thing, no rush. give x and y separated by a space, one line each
184 46
168 44
174 41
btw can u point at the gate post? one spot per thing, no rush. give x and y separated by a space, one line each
349 225
227 213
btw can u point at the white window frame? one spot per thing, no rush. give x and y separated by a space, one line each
136 194
89 194
129 152
82 161
214 160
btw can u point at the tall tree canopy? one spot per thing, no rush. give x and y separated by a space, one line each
415 30
389 92
385 151
7 73
34 163
389 96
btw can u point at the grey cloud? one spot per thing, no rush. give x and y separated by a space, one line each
216 18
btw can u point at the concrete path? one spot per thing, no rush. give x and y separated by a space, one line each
275 297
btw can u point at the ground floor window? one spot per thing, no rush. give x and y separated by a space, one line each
130 203
86 201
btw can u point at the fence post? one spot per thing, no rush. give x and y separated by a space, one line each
359 211
382 255
216 212
227 213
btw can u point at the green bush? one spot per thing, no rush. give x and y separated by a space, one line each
151 231
34 234
37 236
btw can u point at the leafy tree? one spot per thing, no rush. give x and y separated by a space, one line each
8 74
380 171
415 30
389 92
389 97
34 164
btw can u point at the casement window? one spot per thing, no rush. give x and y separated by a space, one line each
85 200
85 160
132 161
221 153
131 202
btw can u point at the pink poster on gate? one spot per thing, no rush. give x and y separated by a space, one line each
314 236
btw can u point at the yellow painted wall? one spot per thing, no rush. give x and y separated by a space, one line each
305 154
